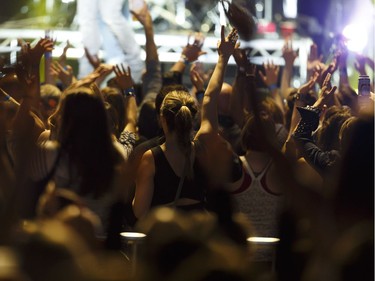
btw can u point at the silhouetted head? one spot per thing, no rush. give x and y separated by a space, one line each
251 136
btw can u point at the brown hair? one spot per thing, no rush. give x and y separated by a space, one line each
84 134
251 137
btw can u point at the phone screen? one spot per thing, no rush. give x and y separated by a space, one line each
364 85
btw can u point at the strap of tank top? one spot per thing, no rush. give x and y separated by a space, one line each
265 169
247 166
250 170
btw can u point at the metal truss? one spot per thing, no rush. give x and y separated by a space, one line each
169 46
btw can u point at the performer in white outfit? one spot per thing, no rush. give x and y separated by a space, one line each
103 20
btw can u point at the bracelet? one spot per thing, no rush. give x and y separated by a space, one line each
199 95
129 92
48 55
272 87
296 96
184 59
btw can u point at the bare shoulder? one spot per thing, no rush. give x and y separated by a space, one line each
147 163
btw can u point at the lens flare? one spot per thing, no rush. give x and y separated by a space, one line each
357 37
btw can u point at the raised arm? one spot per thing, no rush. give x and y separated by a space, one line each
241 87
299 101
63 73
62 58
198 83
48 60
270 79
209 119
289 56
28 74
152 81
189 54
302 135
125 82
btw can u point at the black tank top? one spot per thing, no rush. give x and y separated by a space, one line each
166 181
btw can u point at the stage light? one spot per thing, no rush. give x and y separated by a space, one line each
133 235
357 37
263 239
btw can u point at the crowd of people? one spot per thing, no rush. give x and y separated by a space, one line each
197 169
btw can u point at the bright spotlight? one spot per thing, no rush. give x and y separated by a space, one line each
357 37
263 239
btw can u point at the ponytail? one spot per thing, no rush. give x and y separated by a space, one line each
179 110
183 128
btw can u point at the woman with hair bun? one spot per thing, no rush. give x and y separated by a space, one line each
179 171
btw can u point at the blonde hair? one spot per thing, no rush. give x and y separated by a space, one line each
179 110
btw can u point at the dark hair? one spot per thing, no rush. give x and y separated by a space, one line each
346 132
269 105
328 135
347 96
84 135
148 125
250 135
116 109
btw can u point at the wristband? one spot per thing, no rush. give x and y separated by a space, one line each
199 95
272 87
129 92
48 55
184 59
296 96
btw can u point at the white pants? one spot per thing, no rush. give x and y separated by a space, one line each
118 36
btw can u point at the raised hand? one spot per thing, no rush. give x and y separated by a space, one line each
192 52
326 92
65 74
62 58
103 70
92 58
123 78
227 45
243 63
305 88
30 56
272 73
314 60
289 54
324 70
196 79
143 16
